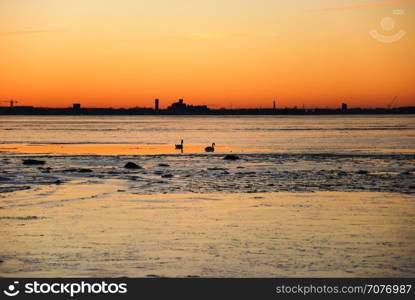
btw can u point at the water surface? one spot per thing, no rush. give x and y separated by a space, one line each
317 196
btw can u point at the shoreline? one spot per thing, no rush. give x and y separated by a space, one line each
204 235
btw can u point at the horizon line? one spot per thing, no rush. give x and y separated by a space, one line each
298 107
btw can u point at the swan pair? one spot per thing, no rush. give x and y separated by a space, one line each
207 149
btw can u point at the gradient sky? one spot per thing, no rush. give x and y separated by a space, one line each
239 53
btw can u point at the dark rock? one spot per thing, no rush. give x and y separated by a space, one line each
231 157
4 178
167 176
342 173
9 189
22 218
362 172
58 182
73 170
131 165
164 165
31 162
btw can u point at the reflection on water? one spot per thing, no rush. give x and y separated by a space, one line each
115 149
336 134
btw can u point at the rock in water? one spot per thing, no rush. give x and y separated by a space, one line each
167 176
231 157
33 162
131 165
73 170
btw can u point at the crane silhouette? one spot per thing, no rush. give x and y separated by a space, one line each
11 102
392 102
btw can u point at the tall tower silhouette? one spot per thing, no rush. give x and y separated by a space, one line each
156 104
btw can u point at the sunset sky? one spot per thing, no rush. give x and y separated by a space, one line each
222 53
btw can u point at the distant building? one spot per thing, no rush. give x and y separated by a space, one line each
275 105
180 107
76 106
156 105
344 107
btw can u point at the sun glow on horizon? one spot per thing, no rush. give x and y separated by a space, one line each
225 53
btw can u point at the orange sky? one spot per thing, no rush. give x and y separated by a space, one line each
239 53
